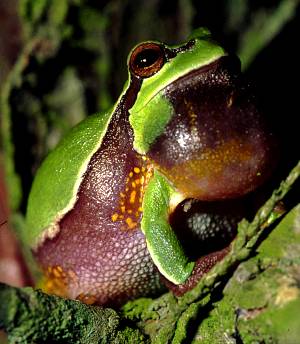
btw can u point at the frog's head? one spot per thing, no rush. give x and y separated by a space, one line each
196 120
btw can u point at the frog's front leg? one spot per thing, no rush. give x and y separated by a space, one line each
163 245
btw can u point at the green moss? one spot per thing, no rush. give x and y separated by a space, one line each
156 318
277 324
261 302
254 292
30 316
286 322
134 309
218 325
280 240
189 316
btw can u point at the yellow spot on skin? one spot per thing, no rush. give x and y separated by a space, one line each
57 272
131 224
192 117
86 298
57 281
114 217
132 197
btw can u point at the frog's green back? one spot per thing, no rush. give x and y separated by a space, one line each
55 186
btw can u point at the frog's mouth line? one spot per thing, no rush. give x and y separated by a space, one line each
206 230
230 61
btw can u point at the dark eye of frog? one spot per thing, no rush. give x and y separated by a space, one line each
146 59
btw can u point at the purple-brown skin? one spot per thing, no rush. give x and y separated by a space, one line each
228 151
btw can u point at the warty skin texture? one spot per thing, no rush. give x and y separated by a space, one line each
94 257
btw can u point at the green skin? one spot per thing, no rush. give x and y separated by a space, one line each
149 116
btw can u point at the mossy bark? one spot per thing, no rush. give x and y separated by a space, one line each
33 317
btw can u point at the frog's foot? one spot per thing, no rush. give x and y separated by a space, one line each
206 230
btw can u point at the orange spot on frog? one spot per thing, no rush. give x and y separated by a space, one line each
87 298
131 198
56 280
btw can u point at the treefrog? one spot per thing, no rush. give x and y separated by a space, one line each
185 127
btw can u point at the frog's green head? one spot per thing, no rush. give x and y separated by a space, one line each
196 120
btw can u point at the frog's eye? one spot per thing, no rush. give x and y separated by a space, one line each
146 59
